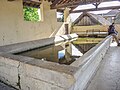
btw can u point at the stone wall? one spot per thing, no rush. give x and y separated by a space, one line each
13 28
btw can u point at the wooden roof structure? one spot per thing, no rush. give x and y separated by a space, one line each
32 3
88 19
61 4
112 13
74 3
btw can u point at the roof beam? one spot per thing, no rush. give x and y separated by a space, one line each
32 3
94 9
96 4
76 3
11 0
37 1
55 2
60 10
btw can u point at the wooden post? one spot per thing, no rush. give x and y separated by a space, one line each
66 29
66 14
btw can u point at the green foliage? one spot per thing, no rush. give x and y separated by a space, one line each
31 14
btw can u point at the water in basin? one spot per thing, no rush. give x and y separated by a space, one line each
63 53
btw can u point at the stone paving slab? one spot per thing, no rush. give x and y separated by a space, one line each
5 87
108 75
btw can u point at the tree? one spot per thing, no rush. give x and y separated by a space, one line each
30 14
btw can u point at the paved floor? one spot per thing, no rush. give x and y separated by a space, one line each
5 87
108 75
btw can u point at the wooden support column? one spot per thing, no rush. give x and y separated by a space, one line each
66 28
66 14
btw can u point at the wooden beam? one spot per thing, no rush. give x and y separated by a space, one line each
96 4
11 0
94 9
32 3
55 2
60 10
73 8
37 1
76 3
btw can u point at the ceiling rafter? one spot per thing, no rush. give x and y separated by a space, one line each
11 0
94 9
55 2
96 4
75 3
32 3
60 10
37 1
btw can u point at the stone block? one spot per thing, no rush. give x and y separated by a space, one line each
49 76
10 80
8 69
9 61
36 84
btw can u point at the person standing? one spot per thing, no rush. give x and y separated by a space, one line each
113 32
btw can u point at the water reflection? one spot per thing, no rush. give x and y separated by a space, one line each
63 53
